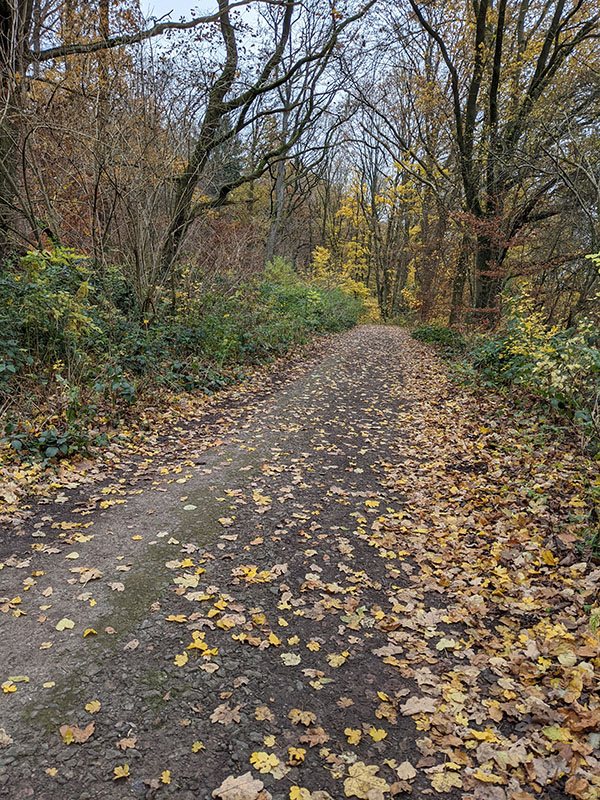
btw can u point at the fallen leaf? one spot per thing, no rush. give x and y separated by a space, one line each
73 733
244 787
121 772
362 778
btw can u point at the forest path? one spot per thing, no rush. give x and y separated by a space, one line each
325 604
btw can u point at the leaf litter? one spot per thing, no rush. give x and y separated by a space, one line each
398 605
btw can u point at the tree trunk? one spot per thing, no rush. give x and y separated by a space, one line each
488 275
277 216
458 285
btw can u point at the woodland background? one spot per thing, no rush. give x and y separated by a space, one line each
433 164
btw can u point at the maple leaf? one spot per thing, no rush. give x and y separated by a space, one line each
298 793
315 736
290 659
225 715
405 771
446 781
418 705
264 762
127 743
244 787
263 713
121 772
353 735
362 778
337 659
296 755
300 717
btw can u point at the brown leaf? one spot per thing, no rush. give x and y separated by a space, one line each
314 736
125 744
225 715
73 733
244 787
418 705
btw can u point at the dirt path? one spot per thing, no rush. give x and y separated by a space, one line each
320 601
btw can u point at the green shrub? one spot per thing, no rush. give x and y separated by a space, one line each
562 366
450 341
79 341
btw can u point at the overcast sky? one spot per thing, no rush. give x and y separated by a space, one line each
180 8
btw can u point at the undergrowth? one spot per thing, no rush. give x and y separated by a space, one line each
554 374
78 353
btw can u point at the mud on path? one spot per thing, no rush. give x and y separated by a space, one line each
303 603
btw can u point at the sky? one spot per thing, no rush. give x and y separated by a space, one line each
180 8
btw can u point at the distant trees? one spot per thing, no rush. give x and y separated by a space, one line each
440 153
487 106
134 139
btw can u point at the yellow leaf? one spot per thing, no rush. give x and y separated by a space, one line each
8 687
353 735
372 503
64 623
67 736
313 646
264 762
362 778
93 706
269 741
176 618
300 717
377 734
136 538
51 771
336 660
293 640
180 660
446 781
298 793
485 777
484 736
548 558
89 632
165 777
121 772
296 755
273 639
197 746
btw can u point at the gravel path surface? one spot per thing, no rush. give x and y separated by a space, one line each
256 552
